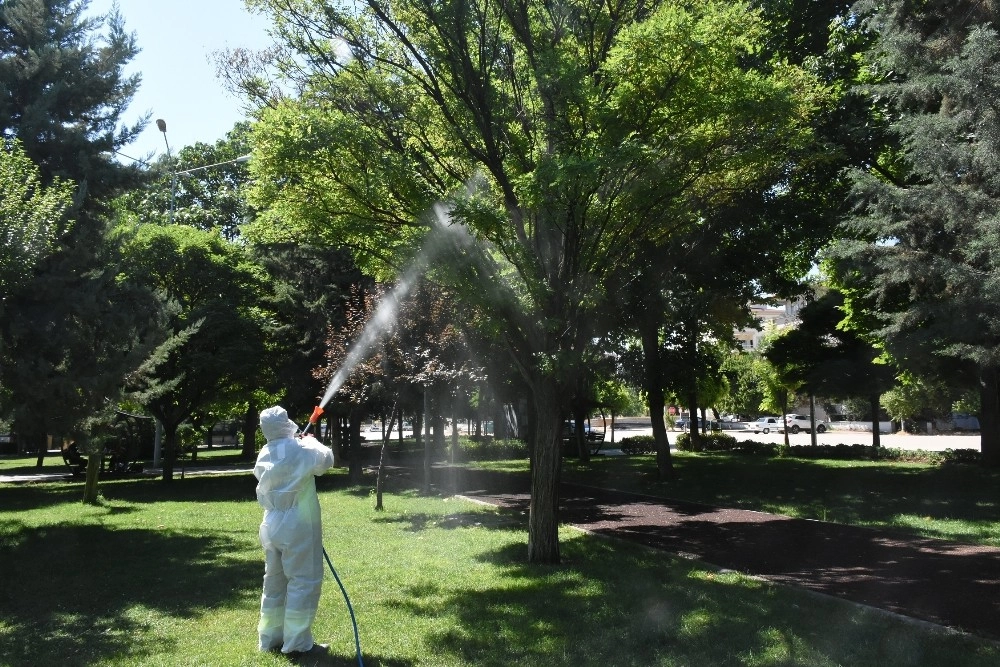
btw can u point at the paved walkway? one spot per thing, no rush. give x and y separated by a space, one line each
947 583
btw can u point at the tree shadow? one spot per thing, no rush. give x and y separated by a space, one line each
20 497
74 596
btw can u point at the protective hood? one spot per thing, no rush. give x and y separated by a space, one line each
275 424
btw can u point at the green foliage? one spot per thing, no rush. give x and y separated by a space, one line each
920 254
561 146
638 444
722 442
614 104
71 332
915 397
210 342
32 216
746 375
201 186
715 441
65 92
491 449
822 357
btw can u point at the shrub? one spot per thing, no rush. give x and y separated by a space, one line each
721 442
492 449
710 442
638 444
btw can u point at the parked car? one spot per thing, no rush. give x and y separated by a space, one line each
683 424
765 425
796 423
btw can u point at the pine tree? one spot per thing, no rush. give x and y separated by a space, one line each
63 91
70 332
926 234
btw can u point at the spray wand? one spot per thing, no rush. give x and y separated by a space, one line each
317 413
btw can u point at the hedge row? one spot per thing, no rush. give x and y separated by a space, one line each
723 442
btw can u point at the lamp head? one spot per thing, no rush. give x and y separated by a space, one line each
161 125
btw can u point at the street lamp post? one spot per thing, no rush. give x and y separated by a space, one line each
161 125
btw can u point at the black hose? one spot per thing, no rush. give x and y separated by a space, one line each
357 639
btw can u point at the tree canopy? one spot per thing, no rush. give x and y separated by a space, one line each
925 229
565 141
32 217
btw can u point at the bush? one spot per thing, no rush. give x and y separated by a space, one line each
492 449
710 442
721 442
638 444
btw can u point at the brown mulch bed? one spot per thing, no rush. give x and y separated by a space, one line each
947 583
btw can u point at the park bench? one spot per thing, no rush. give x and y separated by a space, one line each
115 460
593 437
74 459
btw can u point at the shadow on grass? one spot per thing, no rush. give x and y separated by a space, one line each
21 497
612 604
341 661
81 593
846 492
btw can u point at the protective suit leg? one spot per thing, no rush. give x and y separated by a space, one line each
270 629
302 562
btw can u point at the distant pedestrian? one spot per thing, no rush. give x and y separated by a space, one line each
290 533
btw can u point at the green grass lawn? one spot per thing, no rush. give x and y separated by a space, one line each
169 574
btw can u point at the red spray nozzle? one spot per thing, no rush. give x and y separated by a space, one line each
317 413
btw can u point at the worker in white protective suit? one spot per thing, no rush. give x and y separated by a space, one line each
290 533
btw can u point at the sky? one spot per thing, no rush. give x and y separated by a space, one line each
179 85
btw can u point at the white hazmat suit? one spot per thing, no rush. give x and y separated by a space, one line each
290 533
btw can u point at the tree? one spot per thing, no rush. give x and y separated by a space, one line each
925 224
62 94
823 357
32 217
211 345
572 129
201 186
745 376
917 398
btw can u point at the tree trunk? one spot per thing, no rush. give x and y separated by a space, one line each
784 411
812 420
250 419
664 461
693 417
354 437
580 435
543 514
989 415
418 421
454 431
170 451
90 487
36 442
876 433
655 399
380 475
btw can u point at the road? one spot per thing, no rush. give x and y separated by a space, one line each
934 443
